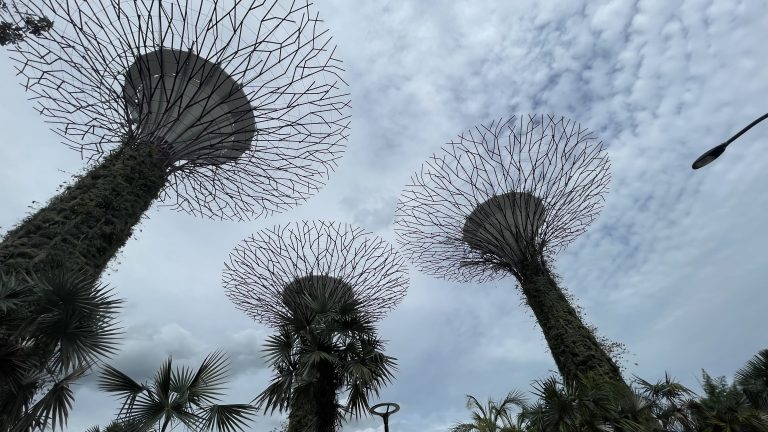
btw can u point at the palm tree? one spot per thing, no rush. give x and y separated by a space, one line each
495 416
178 396
669 402
325 346
592 403
53 328
725 408
753 380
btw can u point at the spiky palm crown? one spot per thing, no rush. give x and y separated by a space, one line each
263 265
325 347
177 396
272 60
53 327
546 162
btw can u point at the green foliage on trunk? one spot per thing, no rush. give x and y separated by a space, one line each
318 412
82 228
574 347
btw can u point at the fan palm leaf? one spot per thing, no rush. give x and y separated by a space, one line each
494 416
54 405
177 396
207 383
227 418
53 327
753 380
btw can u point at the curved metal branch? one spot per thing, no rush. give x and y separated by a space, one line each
263 268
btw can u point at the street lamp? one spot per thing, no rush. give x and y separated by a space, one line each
389 409
715 152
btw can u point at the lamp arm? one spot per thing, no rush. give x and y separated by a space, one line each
746 128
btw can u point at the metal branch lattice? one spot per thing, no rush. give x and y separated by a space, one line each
244 97
516 190
263 265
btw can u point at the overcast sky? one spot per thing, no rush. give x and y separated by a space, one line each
675 266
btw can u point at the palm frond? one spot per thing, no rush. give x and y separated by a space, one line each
55 404
463 427
181 378
144 414
77 315
473 404
324 330
513 398
228 418
161 383
753 380
207 383
112 380
14 293
278 349
277 395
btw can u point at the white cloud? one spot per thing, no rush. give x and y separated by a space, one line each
674 267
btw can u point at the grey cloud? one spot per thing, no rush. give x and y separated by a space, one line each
674 266
369 209
146 348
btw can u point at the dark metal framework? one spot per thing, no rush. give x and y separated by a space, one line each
515 190
243 97
266 265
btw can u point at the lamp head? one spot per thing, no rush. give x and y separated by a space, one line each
709 156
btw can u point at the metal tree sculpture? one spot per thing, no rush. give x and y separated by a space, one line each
265 267
223 109
504 200
322 286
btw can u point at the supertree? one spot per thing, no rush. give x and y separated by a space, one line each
321 286
503 200
224 109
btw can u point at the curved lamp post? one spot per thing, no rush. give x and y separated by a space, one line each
716 151
389 409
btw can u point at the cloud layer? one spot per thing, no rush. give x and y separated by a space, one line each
674 267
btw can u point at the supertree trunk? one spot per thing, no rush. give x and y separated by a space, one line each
326 397
83 228
574 348
298 418
321 416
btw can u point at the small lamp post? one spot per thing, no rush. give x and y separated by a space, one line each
716 151
389 409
